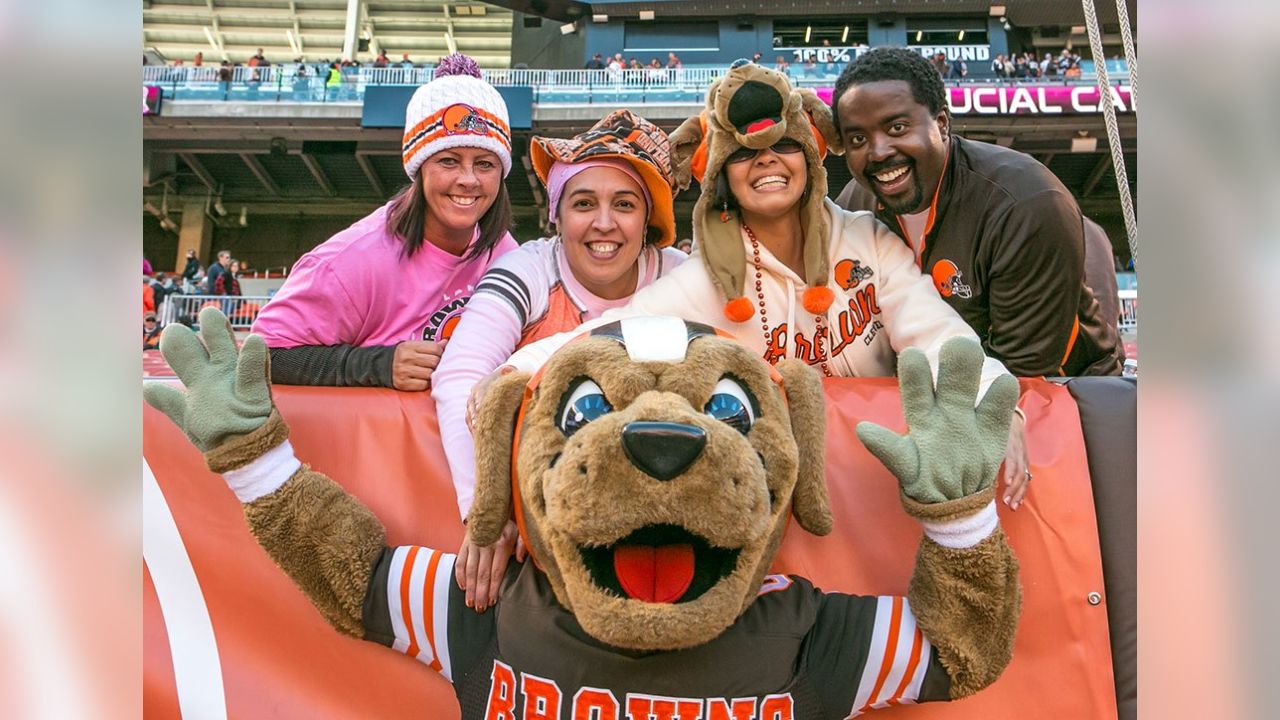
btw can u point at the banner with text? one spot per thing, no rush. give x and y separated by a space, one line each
824 55
1028 99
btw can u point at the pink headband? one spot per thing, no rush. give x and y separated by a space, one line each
560 173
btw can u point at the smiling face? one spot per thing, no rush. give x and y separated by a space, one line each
894 145
601 220
459 185
771 183
654 494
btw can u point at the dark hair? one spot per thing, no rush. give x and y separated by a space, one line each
888 63
407 219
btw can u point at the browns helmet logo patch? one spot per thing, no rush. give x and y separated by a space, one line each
949 281
850 273
462 119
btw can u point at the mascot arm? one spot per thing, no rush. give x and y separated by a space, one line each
334 549
964 592
327 541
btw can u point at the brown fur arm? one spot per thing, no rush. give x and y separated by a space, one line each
323 538
966 600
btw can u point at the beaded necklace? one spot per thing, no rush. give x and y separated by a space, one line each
820 330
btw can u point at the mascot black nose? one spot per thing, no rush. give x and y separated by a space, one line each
663 449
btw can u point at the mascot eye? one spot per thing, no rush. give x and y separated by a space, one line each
730 404
586 403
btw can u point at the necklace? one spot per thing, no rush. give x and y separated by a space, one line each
820 328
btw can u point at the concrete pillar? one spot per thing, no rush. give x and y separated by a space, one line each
352 30
196 234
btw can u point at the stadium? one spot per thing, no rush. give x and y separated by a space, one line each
270 126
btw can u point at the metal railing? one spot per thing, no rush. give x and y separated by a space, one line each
310 82
241 310
1128 311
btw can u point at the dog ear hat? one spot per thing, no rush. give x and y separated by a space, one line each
754 107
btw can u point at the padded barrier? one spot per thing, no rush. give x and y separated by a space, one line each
278 658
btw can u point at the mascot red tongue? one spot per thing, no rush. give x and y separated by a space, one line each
654 574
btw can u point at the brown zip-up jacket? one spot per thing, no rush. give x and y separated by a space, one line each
1005 248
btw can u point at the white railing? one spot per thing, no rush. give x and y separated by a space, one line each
1128 311
241 310
287 73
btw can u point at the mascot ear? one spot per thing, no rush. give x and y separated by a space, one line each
823 120
495 425
687 147
807 405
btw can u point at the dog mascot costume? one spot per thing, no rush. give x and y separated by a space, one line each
656 465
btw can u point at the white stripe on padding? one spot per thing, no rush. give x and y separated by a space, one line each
197 670
655 339
265 475
416 609
901 656
440 613
965 532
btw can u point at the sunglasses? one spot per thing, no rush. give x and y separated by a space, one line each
785 146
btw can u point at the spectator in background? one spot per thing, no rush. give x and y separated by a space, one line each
1048 67
958 70
1001 236
148 296
199 61
1000 67
146 267
162 287
382 60
782 66
215 273
595 63
1020 67
673 62
656 73
224 78
615 69
405 62
374 304
150 332
1073 70
192 267
333 83
811 67
256 59
940 64
228 282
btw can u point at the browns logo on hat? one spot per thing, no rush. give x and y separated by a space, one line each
755 107
620 134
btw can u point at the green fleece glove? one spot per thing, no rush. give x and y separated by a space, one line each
227 390
951 449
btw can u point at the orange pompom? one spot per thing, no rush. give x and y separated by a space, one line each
738 310
816 300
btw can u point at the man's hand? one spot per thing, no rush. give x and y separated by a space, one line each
479 570
227 390
951 449
413 364
1017 478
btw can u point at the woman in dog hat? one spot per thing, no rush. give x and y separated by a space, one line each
374 304
778 265
610 198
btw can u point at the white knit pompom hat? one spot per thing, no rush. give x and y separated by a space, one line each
456 109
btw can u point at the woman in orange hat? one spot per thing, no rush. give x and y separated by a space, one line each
610 198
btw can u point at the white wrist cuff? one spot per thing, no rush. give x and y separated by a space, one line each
965 532
264 475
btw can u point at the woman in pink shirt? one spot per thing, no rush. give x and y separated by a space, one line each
374 304
609 191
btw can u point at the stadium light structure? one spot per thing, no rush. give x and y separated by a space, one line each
808 30
960 37
568 28
646 14
1084 144
844 36
599 17
167 223
997 11
919 35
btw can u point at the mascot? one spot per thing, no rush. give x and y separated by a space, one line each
652 466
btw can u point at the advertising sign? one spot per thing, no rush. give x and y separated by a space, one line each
1028 99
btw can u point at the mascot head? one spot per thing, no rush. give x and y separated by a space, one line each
652 466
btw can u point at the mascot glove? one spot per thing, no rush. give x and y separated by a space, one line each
227 390
951 449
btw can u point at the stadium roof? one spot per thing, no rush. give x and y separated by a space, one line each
1024 13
